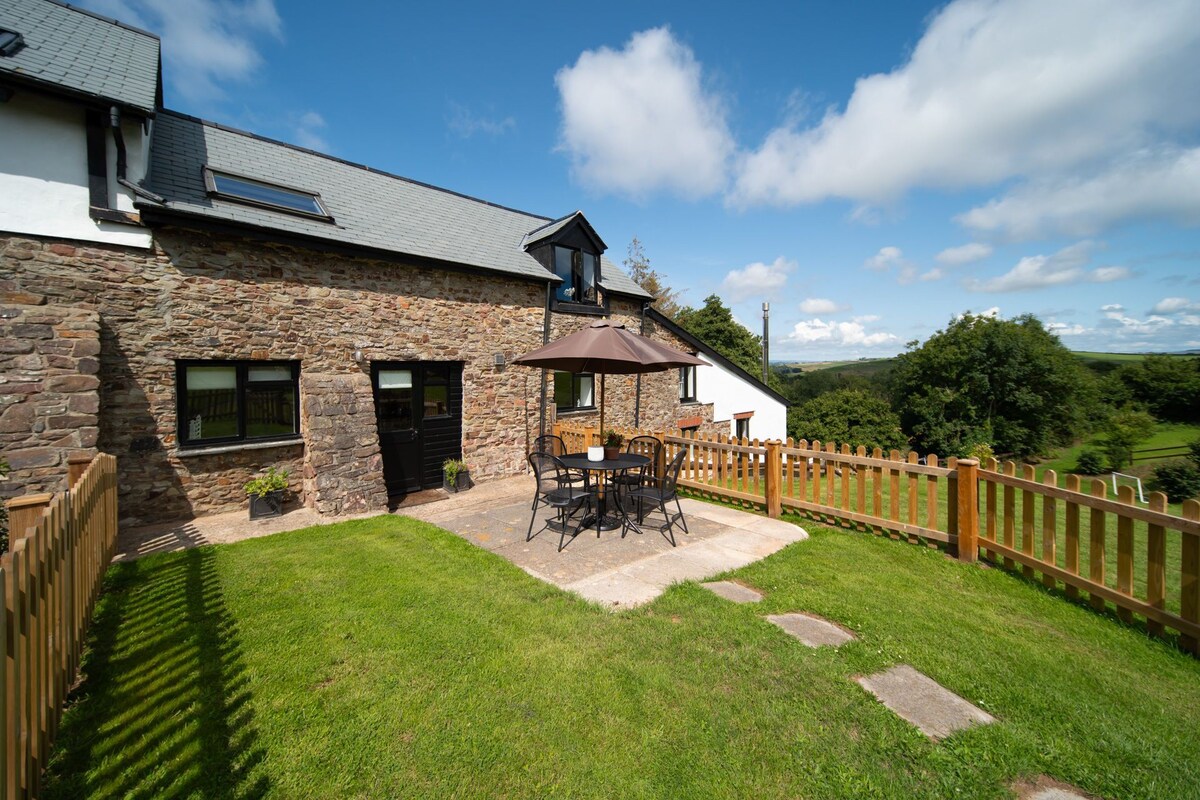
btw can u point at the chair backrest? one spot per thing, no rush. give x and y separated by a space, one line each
647 446
551 444
548 470
672 476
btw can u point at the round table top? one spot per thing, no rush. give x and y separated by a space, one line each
623 461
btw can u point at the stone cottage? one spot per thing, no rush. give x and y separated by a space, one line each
204 303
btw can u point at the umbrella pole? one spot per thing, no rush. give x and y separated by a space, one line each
601 408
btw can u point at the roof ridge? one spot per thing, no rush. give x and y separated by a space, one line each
355 164
103 18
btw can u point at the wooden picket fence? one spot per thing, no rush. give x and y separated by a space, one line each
49 582
966 508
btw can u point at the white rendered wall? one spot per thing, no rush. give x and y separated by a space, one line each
44 178
731 394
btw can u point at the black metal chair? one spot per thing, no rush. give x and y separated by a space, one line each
553 490
555 446
622 482
659 493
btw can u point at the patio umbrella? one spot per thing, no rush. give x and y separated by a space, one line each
607 348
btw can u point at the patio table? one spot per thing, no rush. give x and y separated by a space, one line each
579 461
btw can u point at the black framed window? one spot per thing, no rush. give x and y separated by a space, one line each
268 195
574 390
579 271
742 428
235 401
687 384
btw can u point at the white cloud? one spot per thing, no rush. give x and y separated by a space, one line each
1175 305
756 279
867 318
305 132
842 334
1063 329
993 312
1161 184
995 91
885 259
821 305
964 254
205 43
1112 307
640 119
1066 267
466 123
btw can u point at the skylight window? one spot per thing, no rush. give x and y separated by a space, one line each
268 195
10 42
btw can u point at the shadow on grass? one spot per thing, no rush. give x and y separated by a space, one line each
163 709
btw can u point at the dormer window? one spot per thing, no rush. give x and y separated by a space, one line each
578 270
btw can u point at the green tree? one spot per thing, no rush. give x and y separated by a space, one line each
715 326
848 416
1009 383
1169 386
666 299
1123 431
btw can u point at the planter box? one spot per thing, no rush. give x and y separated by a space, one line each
269 505
461 484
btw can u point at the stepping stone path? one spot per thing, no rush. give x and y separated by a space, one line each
1047 788
918 699
733 591
812 631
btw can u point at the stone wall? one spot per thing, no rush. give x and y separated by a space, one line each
212 296
207 296
49 398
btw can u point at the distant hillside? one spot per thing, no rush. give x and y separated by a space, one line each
870 367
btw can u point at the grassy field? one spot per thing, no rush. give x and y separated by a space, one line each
388 658
1167 434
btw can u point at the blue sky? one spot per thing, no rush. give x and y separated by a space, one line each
871 169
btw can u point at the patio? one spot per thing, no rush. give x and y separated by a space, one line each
616 572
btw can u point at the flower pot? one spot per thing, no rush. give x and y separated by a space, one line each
595 454
269 505
461 482
611 452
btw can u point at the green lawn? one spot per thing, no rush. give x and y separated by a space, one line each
388 658
1167 434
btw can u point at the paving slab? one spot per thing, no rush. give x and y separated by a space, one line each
751 543
734 592
1043 787
811 630
935 710
615 590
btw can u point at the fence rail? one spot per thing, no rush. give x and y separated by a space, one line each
1155 573
49 582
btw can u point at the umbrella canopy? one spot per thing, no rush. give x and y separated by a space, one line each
607 348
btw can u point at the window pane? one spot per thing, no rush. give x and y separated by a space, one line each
586 383
590 268
266 193
435 400
563 390
270 411
395 379
562 268
272 373
212 411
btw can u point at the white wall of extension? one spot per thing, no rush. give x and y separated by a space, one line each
731 394
44 178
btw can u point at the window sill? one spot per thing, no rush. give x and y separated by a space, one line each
593 309
575 412
692 402
235 447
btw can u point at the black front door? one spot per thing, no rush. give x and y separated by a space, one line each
418 406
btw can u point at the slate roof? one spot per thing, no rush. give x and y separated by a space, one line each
82 54
371 209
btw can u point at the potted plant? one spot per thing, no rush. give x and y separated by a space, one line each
266 493
612 444
455 475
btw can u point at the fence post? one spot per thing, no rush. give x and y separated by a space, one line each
968 509
24 513
774 476
76 466
589 435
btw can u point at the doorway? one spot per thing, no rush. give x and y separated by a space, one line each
418 409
